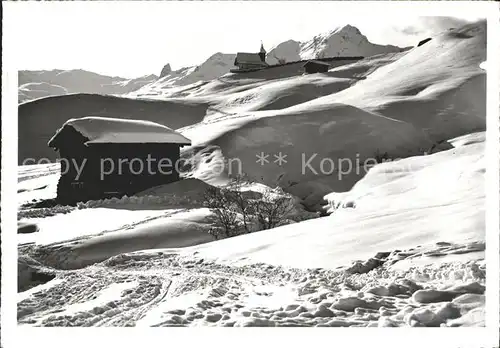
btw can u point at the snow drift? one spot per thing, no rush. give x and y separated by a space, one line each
421 198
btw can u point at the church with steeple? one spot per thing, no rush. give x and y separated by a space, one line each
251 61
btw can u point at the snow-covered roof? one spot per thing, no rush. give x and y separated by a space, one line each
318 62
249 58
115 130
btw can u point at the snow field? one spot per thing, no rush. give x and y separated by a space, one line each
162 289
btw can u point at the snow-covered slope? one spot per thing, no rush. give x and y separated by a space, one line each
44 83
34 90
398 205
391 254
341 42
405 107
215 66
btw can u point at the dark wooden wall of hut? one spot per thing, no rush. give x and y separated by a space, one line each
311 68
114 169
134 166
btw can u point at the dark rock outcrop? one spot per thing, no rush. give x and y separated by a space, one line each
165 71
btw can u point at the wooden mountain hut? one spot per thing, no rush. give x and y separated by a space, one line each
315 66
107 157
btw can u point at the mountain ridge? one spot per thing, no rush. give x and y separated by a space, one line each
34 84
340 42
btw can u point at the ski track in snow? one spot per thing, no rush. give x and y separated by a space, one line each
161 289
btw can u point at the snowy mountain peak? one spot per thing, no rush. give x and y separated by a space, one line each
215 66
349 29
149 77
341 42
220 57
216 56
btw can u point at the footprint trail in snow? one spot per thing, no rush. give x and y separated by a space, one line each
161 289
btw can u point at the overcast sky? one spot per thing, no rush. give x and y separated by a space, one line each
136 38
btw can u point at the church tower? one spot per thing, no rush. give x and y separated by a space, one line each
262 53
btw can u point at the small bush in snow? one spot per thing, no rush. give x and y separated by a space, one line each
273 208
220 202
380 157
238 211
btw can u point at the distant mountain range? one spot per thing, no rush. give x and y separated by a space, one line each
346 41
341 42
45 83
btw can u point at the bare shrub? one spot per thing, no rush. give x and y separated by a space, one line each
240 200
219 201
273 208
381 157
238 211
